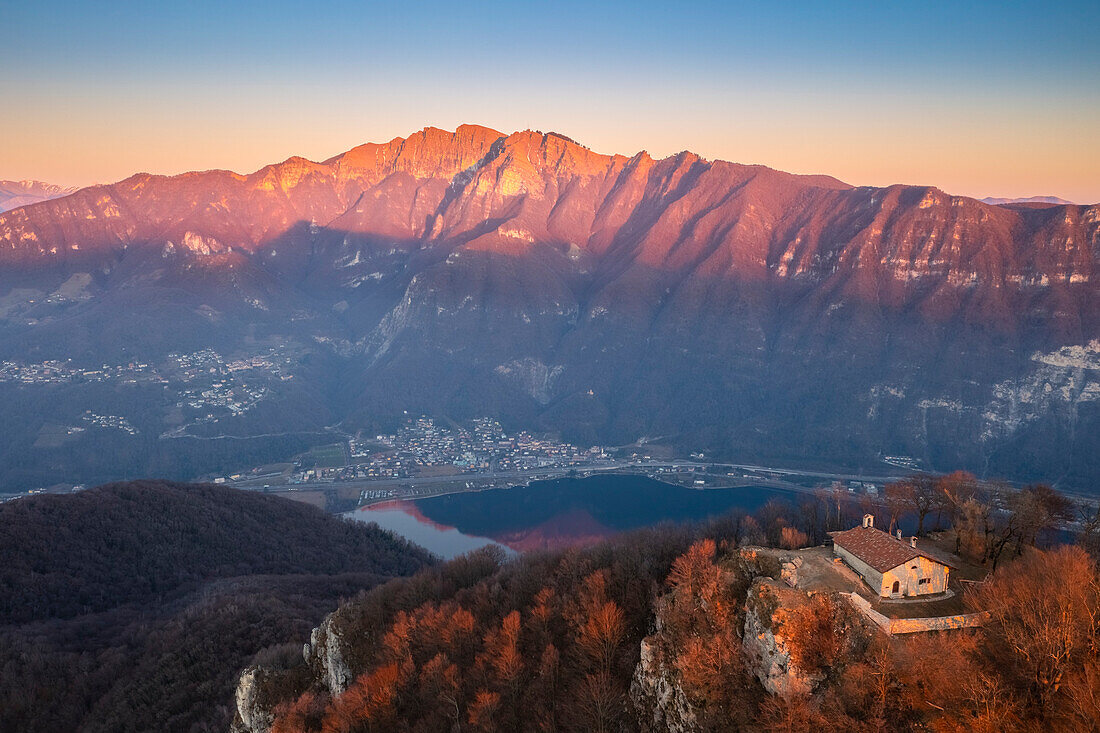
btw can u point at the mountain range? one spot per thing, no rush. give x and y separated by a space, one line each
712 306
1027 200
14 194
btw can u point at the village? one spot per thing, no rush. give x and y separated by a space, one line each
65 372
424 448
201 387
115 422
174 369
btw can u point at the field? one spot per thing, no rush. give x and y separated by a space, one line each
326 456
54 436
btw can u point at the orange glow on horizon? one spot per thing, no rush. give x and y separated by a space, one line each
998 167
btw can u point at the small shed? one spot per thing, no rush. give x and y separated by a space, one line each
892 567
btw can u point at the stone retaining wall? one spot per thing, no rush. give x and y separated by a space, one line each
916 625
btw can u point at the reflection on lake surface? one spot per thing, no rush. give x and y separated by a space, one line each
404 518
550 514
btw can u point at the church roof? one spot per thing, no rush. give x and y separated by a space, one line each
879 550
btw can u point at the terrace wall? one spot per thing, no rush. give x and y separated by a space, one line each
916 625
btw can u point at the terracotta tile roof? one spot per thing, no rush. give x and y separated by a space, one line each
943 558
878 549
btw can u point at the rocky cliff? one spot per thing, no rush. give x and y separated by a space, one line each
767 643
761 583
326 656
658 696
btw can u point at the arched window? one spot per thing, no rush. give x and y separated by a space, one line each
897 585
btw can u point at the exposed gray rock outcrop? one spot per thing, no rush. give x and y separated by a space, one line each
325 653
252 716
766 649
658 699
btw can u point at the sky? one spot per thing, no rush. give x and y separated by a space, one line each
979 99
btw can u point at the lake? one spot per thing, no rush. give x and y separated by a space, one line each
556 513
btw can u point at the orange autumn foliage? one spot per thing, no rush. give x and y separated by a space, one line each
483 711
601 634
367 704
552 643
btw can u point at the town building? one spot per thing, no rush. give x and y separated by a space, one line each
892 567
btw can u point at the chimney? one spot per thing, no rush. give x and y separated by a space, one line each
899 534
868 520
913 542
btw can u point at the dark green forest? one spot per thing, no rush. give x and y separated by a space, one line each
134 606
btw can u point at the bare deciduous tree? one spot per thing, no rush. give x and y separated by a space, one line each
1045 609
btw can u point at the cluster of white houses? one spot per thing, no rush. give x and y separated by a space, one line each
892 567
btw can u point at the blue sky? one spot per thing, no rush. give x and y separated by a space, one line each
978 98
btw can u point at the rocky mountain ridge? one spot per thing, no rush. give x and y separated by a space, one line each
615 299
683 212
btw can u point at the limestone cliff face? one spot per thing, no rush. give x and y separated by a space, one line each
260 689
252 716
766 646
658 698
326 655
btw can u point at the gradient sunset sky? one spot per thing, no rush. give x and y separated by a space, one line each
981 99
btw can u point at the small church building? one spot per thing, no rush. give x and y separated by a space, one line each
892 567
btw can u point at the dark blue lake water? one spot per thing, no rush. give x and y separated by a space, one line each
549 514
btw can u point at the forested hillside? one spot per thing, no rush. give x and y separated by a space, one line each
133 606
699 629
